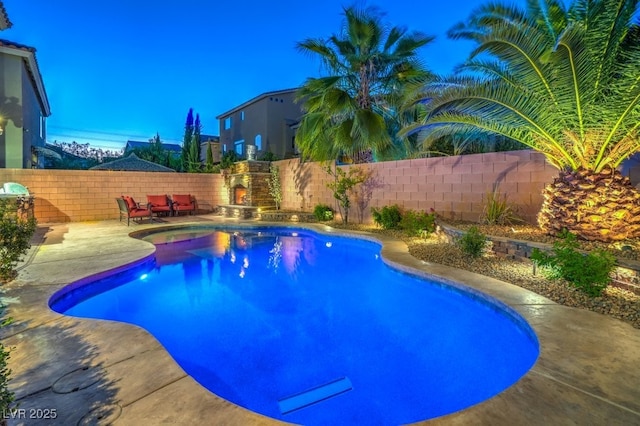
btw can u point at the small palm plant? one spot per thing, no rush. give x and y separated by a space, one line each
565 82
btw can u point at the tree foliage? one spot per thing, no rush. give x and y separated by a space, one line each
16 229
275 185
157 153
343 185
191 144
357 107
209 166
563 81
77 156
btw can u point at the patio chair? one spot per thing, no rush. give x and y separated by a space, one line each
160 204
132 210
183 203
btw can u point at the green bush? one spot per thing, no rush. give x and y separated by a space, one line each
323 212
6 396
418 223
498 211
15 233
228 158
268 156
388 217
589 272
472 242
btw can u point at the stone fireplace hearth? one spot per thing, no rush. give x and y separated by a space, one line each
247 188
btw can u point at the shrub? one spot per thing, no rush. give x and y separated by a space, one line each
342 186
498 211
268 156
228 158
590 272
388 217
6 396
472 242
418 223
363 193
15 233
275 185
323 212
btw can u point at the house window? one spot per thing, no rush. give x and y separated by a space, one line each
258 142
224 147
242 115
42 121
239 147
227 123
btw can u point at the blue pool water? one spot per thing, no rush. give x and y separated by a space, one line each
313 329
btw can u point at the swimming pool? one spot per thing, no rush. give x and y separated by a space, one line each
312 329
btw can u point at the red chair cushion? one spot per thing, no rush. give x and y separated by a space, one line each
158 200
139 213
130 202
182 200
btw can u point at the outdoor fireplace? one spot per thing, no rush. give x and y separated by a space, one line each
247 189
239 195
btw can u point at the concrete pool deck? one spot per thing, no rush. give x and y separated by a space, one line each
103 372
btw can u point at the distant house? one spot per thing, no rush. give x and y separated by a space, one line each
24 106
173 148
216 149
266 121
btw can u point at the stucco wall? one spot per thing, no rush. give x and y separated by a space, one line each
453 186
84 195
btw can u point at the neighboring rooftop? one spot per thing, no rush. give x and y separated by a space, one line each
256 99
132 163
209 138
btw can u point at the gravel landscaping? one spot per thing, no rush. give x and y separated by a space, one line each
615 302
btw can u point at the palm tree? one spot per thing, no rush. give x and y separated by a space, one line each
369 67
565 82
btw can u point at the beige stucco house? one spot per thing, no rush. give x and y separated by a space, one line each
266 121
24 106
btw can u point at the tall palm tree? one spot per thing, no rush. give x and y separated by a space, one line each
565 82
369 67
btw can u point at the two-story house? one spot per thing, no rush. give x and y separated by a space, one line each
266 121
23 105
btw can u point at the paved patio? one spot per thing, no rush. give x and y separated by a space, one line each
102 372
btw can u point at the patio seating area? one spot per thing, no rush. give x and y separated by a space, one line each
101 372
132 210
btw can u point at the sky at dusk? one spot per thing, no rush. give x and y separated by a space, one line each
126 69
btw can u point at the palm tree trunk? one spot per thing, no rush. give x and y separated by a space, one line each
595 206
361 157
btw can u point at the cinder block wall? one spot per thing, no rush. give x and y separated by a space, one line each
84 195
455 187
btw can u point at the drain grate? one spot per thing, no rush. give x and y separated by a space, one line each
314 395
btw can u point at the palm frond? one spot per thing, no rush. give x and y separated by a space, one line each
563 82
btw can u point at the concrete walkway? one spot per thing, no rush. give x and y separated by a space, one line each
102 372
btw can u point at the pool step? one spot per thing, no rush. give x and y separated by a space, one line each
314 395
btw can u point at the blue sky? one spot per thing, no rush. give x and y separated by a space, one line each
126 69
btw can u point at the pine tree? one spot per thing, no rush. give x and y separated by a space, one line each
209 164
194 147
186 143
